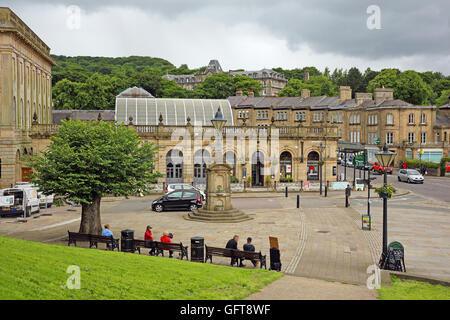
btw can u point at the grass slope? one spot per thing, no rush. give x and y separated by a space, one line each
30 270
413 290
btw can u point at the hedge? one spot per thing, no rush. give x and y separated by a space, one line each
414 163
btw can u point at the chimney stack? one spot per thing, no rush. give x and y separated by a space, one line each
382 94
251 94
360 97
306 76
239 92
345 93
306 93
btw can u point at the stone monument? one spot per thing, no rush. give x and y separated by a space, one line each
218 206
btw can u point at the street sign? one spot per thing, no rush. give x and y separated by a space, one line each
366 222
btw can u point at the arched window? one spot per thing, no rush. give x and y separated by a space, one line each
174 166
286 166
230 158
313 166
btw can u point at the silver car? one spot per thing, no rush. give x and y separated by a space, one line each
183 186
410 176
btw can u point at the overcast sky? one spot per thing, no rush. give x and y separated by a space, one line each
249 34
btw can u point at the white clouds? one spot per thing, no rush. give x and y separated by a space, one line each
237 37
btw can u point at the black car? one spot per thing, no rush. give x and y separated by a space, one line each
178 200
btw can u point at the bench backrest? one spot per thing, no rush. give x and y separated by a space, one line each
95 237
169 246
221 251
248 254
79 236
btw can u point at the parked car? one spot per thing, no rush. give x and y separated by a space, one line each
377 167
410 176
178 200
184 186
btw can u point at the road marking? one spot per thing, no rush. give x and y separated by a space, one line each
56 225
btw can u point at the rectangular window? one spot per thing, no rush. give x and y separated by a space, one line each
411 137
390 138
423 138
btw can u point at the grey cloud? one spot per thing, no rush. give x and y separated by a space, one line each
409 27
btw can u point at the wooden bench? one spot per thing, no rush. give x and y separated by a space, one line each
93 239
159 247
235 255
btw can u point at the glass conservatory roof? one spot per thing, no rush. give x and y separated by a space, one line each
146 111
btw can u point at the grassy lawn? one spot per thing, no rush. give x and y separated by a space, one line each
30 270
413 290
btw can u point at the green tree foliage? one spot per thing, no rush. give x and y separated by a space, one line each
297 73
87 160
408 85
221 86
444 98
319 85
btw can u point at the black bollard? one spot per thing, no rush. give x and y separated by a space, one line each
298 201
286 192
326 191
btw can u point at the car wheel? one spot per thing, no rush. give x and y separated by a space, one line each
192 207
27 212
159 208
399 179
409 181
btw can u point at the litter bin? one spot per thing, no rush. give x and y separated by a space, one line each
127 241
197 249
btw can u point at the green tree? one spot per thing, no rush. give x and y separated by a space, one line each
355 80
246 84
444 98
87 160
170 89
407 85
319 85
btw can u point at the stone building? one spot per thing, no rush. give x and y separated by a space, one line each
271 81
25 93
364 120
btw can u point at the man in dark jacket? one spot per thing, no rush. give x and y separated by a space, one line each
250 247
232 244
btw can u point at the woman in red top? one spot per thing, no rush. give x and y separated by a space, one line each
166 238
148 236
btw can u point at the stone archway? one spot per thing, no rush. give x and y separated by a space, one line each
258 169
174 166
286 165
202 157
313 166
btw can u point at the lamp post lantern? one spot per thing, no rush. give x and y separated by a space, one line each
219 121
385 158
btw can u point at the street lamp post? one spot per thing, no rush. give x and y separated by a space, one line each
321 148
218 123
385 158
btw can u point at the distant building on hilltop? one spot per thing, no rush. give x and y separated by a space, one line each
271 81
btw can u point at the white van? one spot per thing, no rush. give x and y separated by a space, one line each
44 201
21 200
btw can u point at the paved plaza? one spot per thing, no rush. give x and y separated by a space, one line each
322 240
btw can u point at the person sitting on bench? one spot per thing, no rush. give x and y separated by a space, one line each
166 238
233 244
106 232
148 236
250 247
